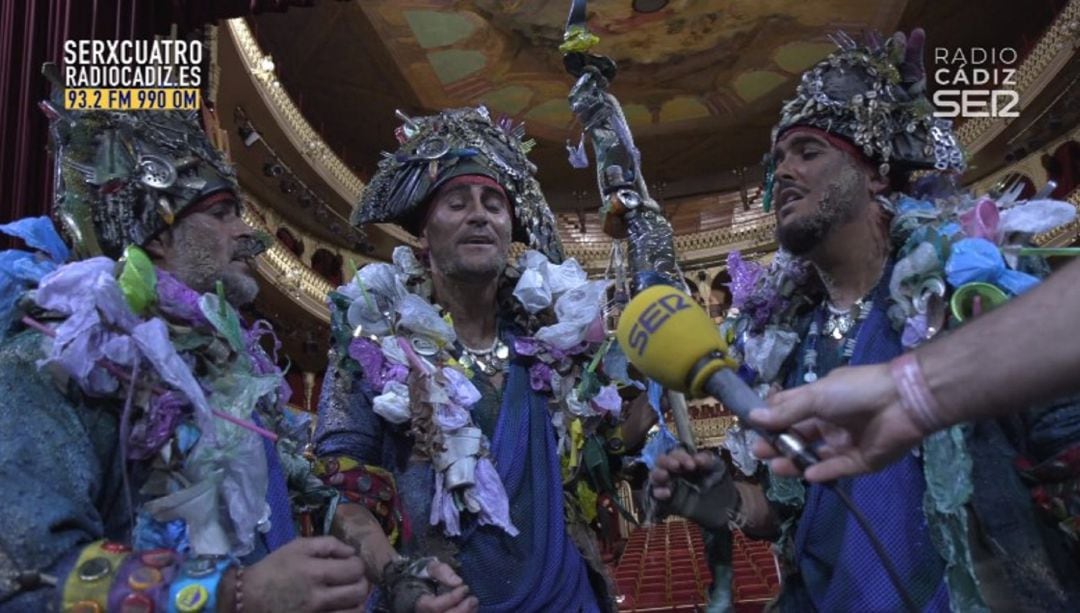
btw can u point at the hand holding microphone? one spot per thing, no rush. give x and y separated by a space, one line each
667 336
854 414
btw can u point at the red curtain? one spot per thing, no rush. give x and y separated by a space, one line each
32 33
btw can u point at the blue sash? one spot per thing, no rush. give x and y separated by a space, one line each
839 569
540 569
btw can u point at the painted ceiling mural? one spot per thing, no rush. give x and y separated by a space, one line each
701 81
692 61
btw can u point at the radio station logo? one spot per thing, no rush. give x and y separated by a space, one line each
652 318
976 82
132 75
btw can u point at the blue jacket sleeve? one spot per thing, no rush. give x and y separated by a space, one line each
59 472
347 424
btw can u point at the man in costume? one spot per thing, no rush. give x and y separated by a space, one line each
470 402
971 375
146 444
870 267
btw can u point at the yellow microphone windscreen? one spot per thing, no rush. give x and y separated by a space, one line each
664 333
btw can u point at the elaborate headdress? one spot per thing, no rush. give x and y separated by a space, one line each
122 177
875 96
453 143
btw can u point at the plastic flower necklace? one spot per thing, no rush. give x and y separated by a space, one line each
388 332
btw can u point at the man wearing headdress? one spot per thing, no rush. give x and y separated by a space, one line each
139 414
870 266
471 402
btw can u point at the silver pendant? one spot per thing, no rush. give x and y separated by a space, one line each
837 326
809 377
485 368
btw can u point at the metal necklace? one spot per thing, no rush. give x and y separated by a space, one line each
841 325
489 361
841 321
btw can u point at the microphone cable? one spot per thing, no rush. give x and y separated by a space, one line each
697 363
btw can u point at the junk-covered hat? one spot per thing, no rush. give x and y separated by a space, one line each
456 142
120 178
874 95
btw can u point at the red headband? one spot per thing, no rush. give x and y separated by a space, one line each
204 205
484 180
839 142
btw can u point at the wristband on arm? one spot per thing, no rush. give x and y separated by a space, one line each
915 395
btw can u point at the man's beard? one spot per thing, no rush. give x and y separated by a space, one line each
837 207
200 270
455 268
240 289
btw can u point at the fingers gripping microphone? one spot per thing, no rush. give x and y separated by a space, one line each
671 339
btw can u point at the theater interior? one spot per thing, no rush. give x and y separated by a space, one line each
303 99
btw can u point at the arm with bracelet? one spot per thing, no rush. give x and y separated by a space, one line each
64 523
1004 361
350 442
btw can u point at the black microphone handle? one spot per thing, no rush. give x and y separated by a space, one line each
734 393
737 397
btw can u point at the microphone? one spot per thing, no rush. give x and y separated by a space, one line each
667 336
671 339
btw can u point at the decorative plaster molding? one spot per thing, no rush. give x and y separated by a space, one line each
1059 237
712 431
287 272
1029 166
1038 69
274 221
694 248
301 135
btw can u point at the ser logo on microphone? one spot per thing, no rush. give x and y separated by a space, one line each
653 317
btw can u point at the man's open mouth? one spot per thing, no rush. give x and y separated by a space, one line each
789 195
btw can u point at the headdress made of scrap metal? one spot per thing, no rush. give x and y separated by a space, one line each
874 95
122 177
456 142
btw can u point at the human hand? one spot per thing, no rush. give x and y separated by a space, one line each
308 574
676 463
457 600
697 487
855 416
638 417
913 69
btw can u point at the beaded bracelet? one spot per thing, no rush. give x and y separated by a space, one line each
915 395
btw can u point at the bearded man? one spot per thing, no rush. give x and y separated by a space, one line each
466 413
865 272
139 414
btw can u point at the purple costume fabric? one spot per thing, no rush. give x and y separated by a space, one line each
540 569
